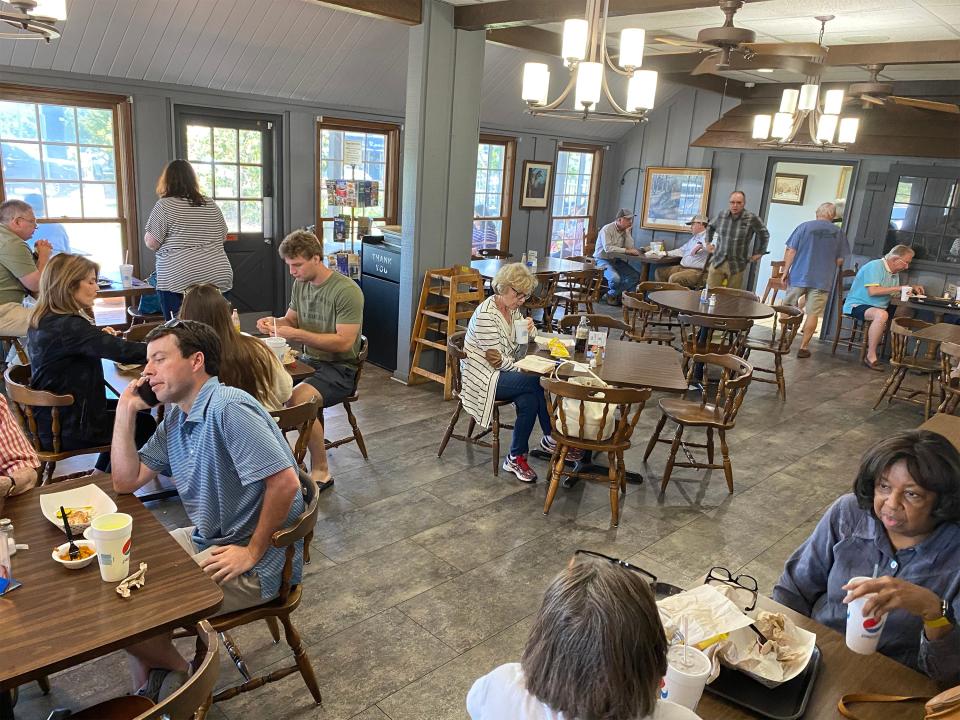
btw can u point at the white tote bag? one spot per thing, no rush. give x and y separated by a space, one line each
595 426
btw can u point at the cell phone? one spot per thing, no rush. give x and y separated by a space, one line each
147 394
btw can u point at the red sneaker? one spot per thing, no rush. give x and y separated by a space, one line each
519 467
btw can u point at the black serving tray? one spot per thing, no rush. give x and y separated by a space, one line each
786 701
936 302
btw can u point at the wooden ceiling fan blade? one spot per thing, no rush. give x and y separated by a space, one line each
707 66
801 50
682 42
926 104
872 100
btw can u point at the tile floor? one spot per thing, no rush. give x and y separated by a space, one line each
426 571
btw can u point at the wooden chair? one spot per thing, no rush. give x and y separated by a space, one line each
910 354
277 610
566 403
25 402
735 292
139 332
717 413
569 322
775 283
7 341
704 335
949 377
137 317
354 397
638 314
665 317
300 419
542 298
788 320
456 353
487 253
580 287
856 329
191 700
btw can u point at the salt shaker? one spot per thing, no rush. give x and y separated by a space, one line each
6 530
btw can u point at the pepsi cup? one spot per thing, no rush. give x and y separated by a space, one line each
863 633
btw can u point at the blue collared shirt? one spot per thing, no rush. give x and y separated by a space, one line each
874 274
818 244
218 455
846 543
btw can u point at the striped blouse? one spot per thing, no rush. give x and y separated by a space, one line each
191 244
488 330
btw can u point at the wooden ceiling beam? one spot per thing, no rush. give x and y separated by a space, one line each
408 12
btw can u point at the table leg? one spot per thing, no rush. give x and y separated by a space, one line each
6 705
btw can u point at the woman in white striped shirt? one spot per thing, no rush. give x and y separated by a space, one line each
487 371
187 232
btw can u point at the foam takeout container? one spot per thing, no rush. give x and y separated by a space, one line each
84 496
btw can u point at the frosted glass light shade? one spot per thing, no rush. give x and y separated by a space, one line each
782 125
827 127
56 9
808 97
833 102
589 76
761 127
848 130
575 34
641 90
536 83
631 47
788 103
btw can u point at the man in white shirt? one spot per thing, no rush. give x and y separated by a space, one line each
691 272
613 251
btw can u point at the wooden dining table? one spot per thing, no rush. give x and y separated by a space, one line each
645 260
727 306
60 618
117 289
946 425
940 332
488 268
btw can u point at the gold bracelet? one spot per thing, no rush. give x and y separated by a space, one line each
938 623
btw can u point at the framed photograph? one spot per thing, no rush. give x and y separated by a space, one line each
788 189
674 195
845 172
535 189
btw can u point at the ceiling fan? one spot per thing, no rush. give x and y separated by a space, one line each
876 92
733 48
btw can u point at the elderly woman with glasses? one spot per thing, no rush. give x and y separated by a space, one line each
901 526
597 649
487 372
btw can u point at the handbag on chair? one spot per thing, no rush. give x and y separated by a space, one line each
945 706
595 425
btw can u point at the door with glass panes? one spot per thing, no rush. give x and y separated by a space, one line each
234 161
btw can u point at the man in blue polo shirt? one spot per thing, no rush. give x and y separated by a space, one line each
870 294
233 469
814 251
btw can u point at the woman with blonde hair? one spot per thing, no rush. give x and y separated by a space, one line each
65 352
245 362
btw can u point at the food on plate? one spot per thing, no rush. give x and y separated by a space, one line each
85 552
78 516
290 356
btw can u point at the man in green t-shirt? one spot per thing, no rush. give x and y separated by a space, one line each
18 271
325 314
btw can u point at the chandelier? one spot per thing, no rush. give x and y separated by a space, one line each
585 54
32 19
798 107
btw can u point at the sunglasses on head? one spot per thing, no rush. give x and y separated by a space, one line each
651 578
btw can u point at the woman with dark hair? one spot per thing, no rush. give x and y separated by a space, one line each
597 650
902 522
187 232
65 352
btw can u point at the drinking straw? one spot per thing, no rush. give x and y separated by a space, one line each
876 570
126 258
275 334
686 640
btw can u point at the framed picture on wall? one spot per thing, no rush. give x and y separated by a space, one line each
535 189
788 189
672 196
845 172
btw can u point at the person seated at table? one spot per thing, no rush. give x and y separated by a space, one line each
245 362
18 460
901 521
869 297
66 348
597 649
19 272
325 314
487 372
235 474
693 254
613 250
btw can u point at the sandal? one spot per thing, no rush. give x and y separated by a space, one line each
875 365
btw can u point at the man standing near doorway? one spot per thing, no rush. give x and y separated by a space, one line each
613 250
325 314
740 238
814 252
691 272
19 273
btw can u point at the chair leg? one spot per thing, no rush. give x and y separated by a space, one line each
274 628
303 660
926 407
673 456
727 467
886 387
710 445
357 435
614 476
450 427
471 426
896 387
234 651
555 471
656 436
495 430
44 683
781 383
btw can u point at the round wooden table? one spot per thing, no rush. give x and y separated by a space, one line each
688 303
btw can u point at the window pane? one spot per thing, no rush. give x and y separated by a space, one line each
904 217
231 213
481 184
493 205
950 250
57 124
29 192
204 177
486 234
250 146
99 200
496 157
932 220
226 181
60 162
101 241
63 200
97 164
941 191
21 161
910 190
250 182
251 216
377 172
225 144
95 126
198 143
18 121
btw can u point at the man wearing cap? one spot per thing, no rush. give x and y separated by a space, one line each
691 272
814 251
613 251
734 232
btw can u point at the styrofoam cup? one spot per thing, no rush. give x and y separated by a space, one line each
277 344
111 533
126 275
521 332
863 633
904 293
683 684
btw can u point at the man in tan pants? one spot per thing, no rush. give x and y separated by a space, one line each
691 272
18 272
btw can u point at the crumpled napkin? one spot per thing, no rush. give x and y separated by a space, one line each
707 612
782 657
